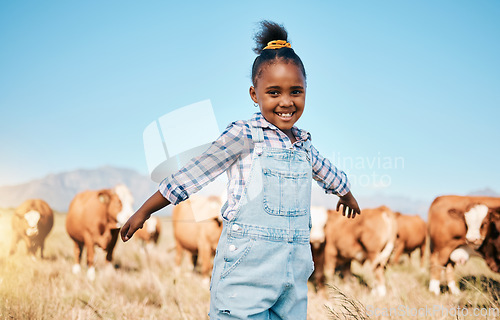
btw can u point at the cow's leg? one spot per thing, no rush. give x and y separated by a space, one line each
15 240
344 270
103 238
42 245
194 260
439 259
31 245
330 260
89 245
112 244
398 250
204 251
156 236
78 256
422 254
204 254
378 270
435 273
149 247
450 279
380 288
179 252
318 275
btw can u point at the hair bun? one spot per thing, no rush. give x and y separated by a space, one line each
269 31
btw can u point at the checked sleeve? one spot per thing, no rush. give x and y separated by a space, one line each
328 176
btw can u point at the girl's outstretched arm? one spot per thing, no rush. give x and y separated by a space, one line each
136 221
349 204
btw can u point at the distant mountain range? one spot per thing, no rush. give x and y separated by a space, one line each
59 189
487 192
401 203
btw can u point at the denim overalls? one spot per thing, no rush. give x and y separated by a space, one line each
263 258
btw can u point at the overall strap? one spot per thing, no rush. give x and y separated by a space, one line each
257 138
257 134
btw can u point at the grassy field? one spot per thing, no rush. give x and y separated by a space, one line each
144 286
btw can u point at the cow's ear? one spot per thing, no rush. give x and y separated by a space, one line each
104 196
397 214
495 213
20 212
455 213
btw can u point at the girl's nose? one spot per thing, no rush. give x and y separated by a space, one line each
286 101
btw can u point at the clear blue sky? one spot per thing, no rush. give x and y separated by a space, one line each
406 92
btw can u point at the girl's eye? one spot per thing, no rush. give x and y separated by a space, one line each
273 92
296 91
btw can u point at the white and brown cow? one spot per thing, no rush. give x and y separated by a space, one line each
369 237
458 226
412 235
32 222
95 218
198 238
150 232
319 217
490 249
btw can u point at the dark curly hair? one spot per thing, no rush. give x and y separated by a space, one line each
270 31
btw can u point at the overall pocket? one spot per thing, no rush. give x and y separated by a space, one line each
286 193
236 251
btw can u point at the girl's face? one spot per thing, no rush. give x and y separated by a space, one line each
280 92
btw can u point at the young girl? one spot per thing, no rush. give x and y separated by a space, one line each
263 258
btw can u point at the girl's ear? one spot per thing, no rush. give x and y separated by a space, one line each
253 94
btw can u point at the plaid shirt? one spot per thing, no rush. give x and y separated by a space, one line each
232 152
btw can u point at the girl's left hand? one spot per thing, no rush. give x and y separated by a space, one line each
349 204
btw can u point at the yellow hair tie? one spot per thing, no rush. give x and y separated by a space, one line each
277 44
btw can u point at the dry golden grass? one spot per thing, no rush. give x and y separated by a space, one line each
145 286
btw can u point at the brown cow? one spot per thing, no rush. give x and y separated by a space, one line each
95 218
490 249
369 237
458 226
150 232
199 238
32 222
412 234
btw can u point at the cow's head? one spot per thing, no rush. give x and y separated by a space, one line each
118 211
32 217
477 220
319 216
113 206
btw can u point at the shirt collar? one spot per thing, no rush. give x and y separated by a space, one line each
258 120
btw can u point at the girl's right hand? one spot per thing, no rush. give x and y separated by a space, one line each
134 223
153 204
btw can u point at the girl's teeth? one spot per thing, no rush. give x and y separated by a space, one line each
284 114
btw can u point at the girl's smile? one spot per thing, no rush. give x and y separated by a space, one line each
280 92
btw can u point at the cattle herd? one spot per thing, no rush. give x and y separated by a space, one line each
457 227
